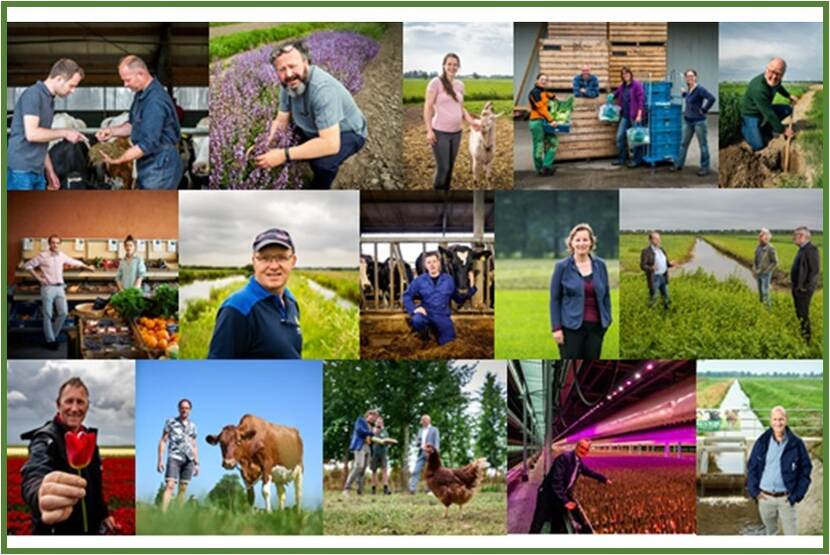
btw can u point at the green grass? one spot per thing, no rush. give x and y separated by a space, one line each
414 90
791 393
189 274
329 331
713 319
196 518
343 282
677 246
710 391
228 45
811 137
535 273
402 514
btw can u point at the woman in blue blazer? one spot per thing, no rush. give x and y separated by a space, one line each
580 298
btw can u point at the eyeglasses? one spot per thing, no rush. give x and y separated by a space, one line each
285 49
280 259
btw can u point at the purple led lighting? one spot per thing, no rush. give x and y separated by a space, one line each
685 435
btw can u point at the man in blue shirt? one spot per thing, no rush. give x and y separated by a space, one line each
778 474
262 320
585 84
655 263
361 449
31 129
435 289
331 126
698 103
153 129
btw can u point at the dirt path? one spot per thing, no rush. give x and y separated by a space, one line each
378 164
739 167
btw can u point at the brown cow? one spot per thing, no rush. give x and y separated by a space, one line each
263 451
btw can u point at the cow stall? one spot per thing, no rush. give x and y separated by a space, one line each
396 233
175 53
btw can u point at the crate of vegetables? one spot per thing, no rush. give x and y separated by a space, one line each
108 337
153 319
159 336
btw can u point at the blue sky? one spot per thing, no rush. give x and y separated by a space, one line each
745 49
284 392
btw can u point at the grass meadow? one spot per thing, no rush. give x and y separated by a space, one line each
795 394
202 518
476 93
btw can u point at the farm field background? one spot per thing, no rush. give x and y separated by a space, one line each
677 245
710 391
203 518
743 246
522 310
792 393
476 93
329 329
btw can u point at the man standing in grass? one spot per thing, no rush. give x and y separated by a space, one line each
361 451
427 435
182 454
804 277
764 264
655 263
760 117
778 474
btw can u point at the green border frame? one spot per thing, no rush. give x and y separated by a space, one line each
414 3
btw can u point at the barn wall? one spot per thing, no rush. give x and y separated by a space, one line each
89 214
524 37
694 45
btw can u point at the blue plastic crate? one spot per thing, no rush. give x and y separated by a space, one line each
560 128
657 91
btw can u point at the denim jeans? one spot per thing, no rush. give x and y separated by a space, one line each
53 297
690 129
360 462
661 285
162 170
622 143
325 169
757 135
17 180
420 462
764 280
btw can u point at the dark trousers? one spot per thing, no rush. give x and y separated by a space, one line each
553 511
802 299
584 343
445 151
325 168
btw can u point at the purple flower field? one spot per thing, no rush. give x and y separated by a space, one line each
244 99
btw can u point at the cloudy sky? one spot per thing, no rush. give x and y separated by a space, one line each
745 49
686 209
484 48
33 387
218 229
761 366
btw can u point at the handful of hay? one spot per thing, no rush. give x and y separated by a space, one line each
113 149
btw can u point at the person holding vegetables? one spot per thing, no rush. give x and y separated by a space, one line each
580 298
131 268
443 116
544 144
630 95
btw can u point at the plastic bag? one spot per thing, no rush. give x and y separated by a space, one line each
637 136
609 111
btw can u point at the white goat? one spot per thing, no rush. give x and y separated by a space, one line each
483 143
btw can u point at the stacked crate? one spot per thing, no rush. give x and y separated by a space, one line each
561 56
664 123
639 46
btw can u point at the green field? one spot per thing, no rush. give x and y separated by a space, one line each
677 245
189 274
345 283
729 99
744 247
329 330
421 514
794 394
710 391
523 310
476 93
196 518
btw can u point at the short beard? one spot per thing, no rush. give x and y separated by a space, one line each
298 92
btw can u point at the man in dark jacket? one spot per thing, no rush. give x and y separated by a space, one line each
555 501
54 490
361 450
655 263
804 277
778 474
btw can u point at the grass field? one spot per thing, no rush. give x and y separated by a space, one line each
421 514
677 246
710 391
744 247
345 283
197 518
523 313
792 393
476 93
329 330
189 274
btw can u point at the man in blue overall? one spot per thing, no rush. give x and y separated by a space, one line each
262 320
153 129
435 289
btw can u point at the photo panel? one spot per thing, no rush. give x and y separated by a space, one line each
94 274
431 434
218 456
270 275
305 105
558 274
427 275
760 425
457 99
601 447
71 438
721 274
581 123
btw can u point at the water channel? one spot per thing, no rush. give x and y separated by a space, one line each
708 258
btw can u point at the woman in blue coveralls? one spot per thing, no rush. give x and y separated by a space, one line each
435 289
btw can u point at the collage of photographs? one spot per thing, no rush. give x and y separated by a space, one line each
314 279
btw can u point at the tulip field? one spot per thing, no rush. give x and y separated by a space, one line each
119 492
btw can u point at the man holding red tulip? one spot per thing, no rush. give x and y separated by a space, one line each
62 482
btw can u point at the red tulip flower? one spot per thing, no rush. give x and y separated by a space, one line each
80 446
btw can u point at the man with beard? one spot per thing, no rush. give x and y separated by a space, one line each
330 126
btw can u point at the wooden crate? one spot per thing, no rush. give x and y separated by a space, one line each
638 32
648 63
577 31
589 137
562 60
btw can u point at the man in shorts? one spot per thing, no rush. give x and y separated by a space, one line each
379 457
182 454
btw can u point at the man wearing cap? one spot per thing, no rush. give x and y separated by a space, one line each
331 126
262 320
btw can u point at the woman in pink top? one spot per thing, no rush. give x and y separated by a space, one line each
443 115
